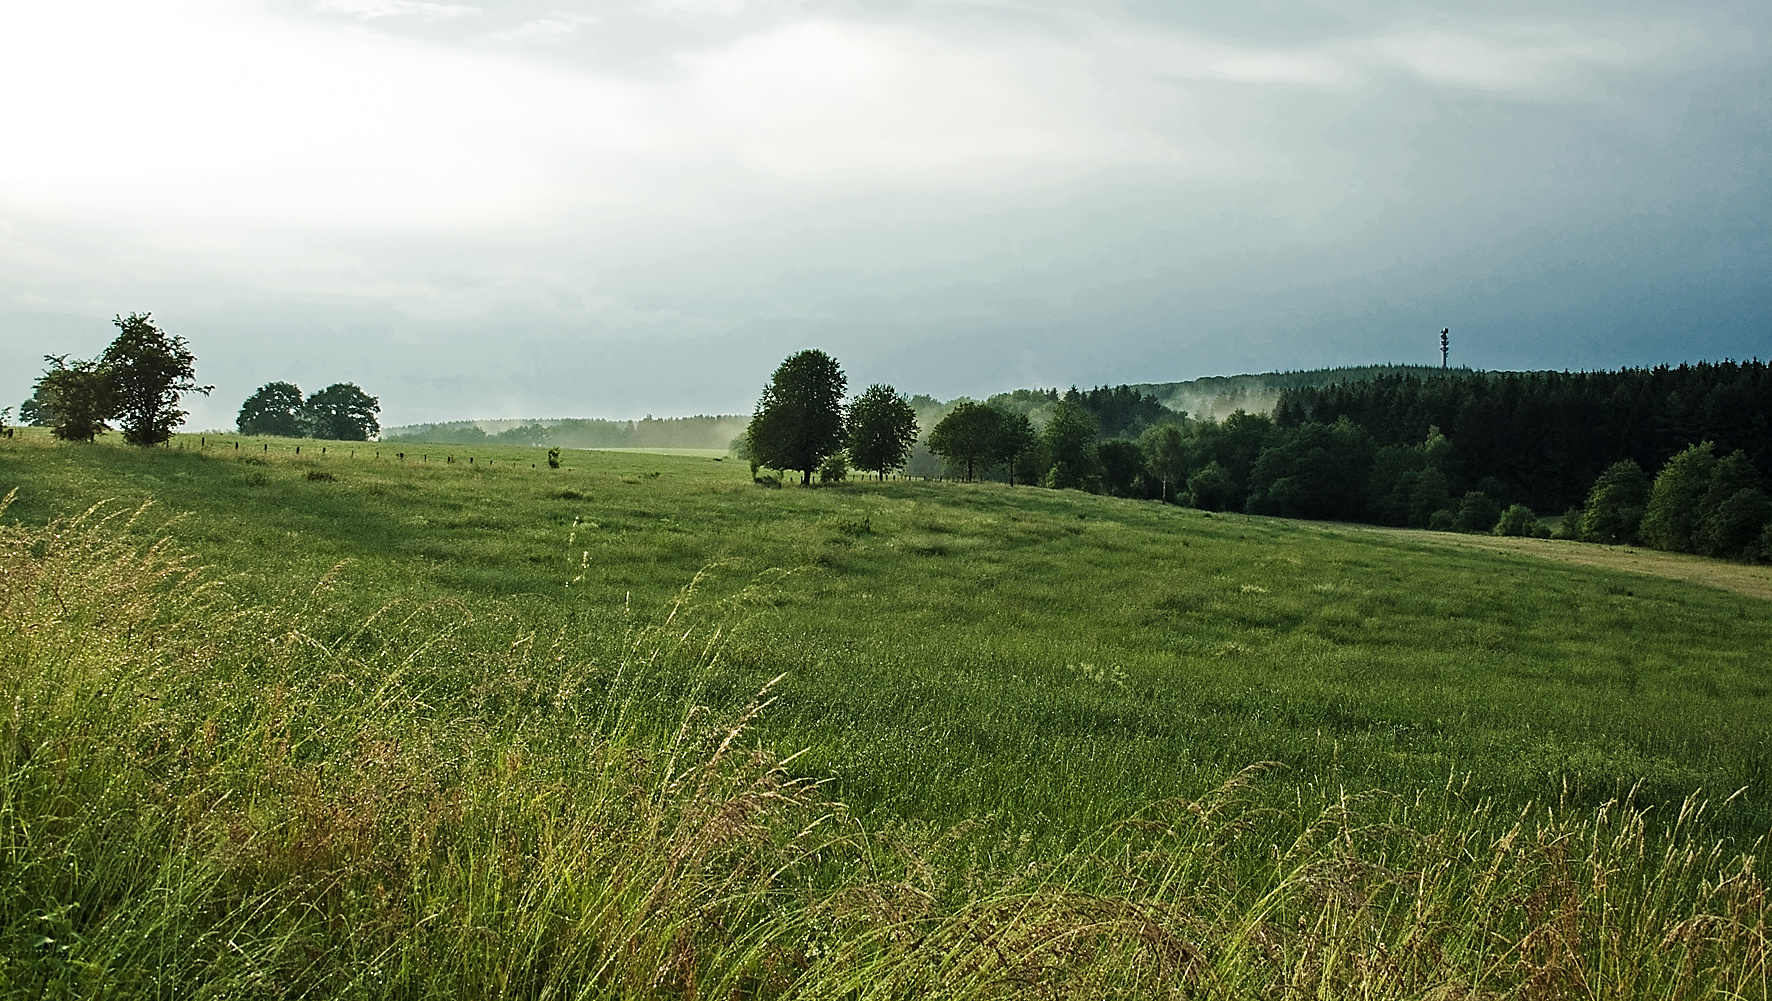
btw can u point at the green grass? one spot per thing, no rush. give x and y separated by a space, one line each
958 650
421 726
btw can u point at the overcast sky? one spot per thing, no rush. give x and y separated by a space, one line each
613 208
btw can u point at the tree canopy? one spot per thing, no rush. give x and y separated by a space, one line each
340 412
274 409
77 399
150 370
967 435
882 430
799 419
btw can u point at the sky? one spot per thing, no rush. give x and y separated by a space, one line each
613 209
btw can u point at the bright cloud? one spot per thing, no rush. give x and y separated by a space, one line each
369 9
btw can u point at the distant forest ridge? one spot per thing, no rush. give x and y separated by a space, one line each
1209 398
1215 397
701 431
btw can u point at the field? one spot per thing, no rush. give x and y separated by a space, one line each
978 683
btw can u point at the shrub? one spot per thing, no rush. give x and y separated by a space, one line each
1673 509
834 468
1443 520
1517 521
1477 513
554 458
1614 510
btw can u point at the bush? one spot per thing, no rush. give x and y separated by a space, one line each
1518 522
1477 513
554 458
834 468
1442 520
1569 527
1615 505
1735 528
1210 489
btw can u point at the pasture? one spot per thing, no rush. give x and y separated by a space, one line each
994 677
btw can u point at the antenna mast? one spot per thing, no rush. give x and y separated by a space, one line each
1445 345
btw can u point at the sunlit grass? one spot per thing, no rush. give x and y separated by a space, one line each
209 795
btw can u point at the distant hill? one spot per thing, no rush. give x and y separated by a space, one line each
1217 396
1209 398
702 431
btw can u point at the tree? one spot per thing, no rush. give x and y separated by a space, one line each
32 414
78 399
1614 510
1478 513
340 412
1070 439
1122 465
1015 440
150 369
1732 510
1165 451
274 410
882 430
1211 488
799 419
967 434
1518 521
1671 516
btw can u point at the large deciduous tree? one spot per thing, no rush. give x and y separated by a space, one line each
799 419
1614 509
150 369
968 434
1015 438
1070 438
77 399
882 430
340 412
275 409
1672 514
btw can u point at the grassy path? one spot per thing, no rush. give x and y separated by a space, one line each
1753 581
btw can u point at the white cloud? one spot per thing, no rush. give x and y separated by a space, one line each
556 29
369 9
1517 57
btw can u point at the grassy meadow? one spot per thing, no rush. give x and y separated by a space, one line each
458 723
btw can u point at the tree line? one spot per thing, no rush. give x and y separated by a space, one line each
137 382
340 412
1546 436
1519 444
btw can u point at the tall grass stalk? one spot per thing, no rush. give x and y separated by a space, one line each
201 797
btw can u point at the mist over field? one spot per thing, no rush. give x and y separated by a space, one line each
607 210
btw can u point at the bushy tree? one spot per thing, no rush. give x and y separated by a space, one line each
1211 489
799 419
1016 441
967 435
77 398
1325 467
32 413
1671 516
340 412
1477 513
1122 466
274 409
834 468
1733 509
1165 456
1614 510
1070 440
1518 521
882 430
150 370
